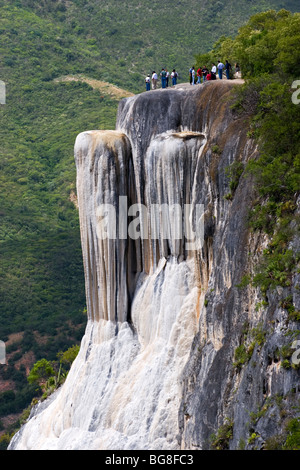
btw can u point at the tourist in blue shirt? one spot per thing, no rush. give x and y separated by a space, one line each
163 75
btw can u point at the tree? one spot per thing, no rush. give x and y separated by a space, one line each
41 372
68 356
267 51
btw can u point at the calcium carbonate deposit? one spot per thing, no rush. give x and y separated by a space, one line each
155 368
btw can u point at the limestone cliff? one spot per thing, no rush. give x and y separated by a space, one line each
157 366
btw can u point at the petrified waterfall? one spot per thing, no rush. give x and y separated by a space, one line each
155 367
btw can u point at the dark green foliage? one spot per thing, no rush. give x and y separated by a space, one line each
275 269
250 339
16 401
293 435
45 376
265 45
220 441
288 440
287 304
241 356
49 375
41 371
234 172
269 60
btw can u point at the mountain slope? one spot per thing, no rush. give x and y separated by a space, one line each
123 41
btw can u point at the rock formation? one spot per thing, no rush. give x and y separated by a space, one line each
156 367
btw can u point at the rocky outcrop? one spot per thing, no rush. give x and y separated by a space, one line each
157 367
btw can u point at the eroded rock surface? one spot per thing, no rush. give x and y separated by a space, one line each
156 365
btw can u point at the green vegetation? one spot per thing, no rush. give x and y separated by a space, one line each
287 304
266 50
255 416
124 41
220 441
253 438
45 377
216 149
250 338
234 172
293 435
241 356
286 408
49 375
288 440
284 354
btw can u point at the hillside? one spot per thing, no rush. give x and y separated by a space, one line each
121 42
42 297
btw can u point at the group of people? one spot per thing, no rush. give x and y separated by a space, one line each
202 75
165 79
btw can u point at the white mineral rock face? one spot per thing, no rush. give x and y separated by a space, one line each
123 390
155 368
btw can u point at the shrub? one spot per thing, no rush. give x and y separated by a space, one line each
270 63
241 356
293 439
220 441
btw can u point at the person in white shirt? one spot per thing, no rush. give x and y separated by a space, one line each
147 80
214 68
220 69
174 76
167 77
193 75
154 80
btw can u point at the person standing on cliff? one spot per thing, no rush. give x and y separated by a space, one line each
193 75
220 67
204 73
167 78
163 75
213 71
227 69
154 80
147 80
174 76
190 74
199 75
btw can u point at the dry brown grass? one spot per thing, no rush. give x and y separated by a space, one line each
104 87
